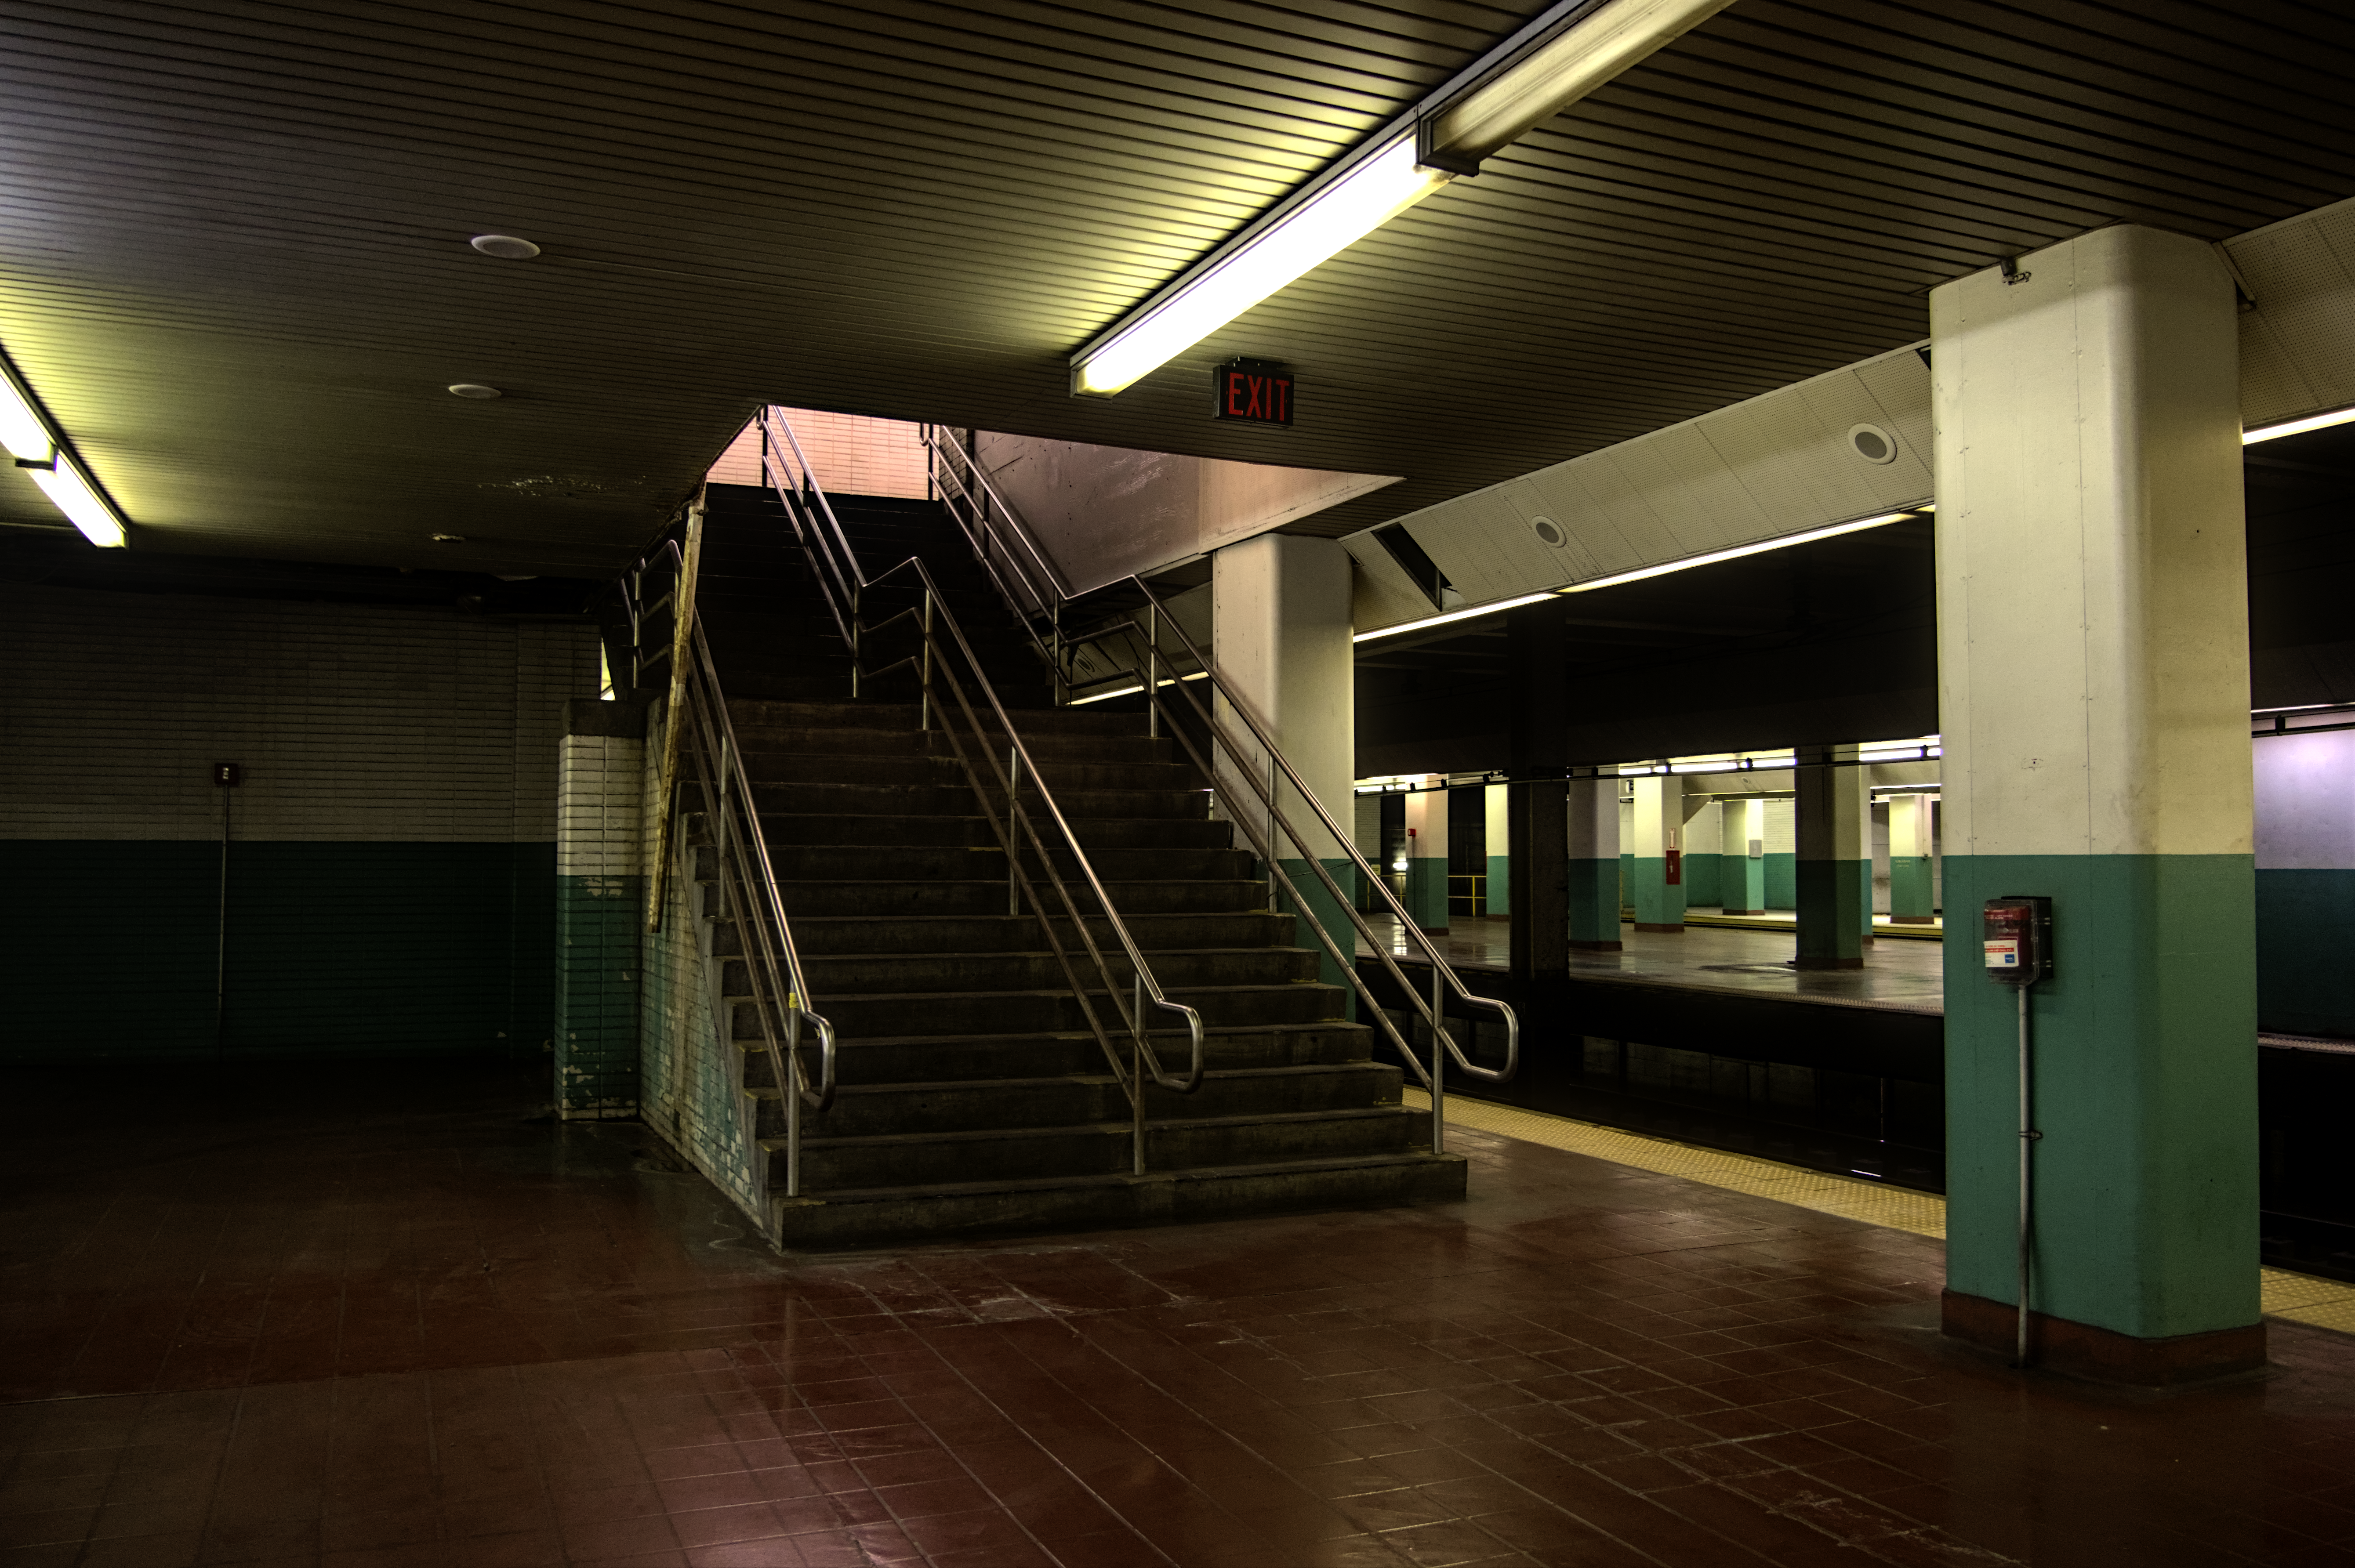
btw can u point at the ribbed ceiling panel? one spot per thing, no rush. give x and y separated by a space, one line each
232 237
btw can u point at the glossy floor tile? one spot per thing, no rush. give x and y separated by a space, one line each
382 1316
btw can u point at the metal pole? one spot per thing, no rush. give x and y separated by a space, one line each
792 1080
924 716
1013 843
719 827
2028 1137
1153 673
1136 1102
1438 1069
856 628
1273 904
220 953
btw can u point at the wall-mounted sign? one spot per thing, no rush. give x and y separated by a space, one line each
1254 391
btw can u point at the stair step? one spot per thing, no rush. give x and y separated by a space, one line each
817 827
1082 1100
823 798
1047 1010
876 934
860 1218
831 974
986 862
905 1058
1098 1148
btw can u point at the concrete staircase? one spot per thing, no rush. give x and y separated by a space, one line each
972 1096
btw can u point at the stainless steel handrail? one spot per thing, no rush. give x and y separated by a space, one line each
1148 673
748 883
842 578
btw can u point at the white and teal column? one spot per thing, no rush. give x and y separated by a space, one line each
1703 825
1495 803
1426 858
1912 900
1594 884
2093 700
1742 856
1280 634
1659 821
1833 826
600 909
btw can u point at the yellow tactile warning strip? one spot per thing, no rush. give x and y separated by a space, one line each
2299 1297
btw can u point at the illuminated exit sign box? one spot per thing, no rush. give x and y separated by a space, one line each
1253 392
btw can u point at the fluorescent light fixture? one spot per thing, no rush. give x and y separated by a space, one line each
21 430
1474 613
2296 427
1785 543
1560 56
1557 73
2296 709
70 490
1327 223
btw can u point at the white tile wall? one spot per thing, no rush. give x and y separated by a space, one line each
352 722
598 830
854 454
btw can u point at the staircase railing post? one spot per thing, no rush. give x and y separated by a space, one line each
1136 1075
1152 674
789 1078
1013 844
925 711
1438 1066
856 628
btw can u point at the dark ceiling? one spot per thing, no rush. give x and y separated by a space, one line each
1831 642
233 257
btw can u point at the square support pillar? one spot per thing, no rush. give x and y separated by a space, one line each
1426 859
1538 694
1660 824
2093 660
1594 863
1742 859
1911 899
1496 807
1834 827
1279 631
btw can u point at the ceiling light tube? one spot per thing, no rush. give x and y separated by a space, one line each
1559 57
1474 613
39 449
1601 44
1327 223
1713 556
2297 426
70 490
21 428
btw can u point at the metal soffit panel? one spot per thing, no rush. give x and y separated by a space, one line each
232 256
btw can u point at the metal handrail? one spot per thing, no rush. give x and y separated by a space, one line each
1149 673
748 883
846 584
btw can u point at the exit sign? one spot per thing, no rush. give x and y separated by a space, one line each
1253 392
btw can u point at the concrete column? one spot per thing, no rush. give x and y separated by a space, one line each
1496 804
1742 859
1659 822
1426 858
1594 863
1367 823
1537 699
1910 900
1280 635
1834 827
2094 698
1702 857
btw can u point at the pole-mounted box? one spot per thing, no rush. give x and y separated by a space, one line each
2017 932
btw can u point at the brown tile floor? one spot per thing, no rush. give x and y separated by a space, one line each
270 1326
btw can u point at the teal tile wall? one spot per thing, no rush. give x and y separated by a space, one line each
358 949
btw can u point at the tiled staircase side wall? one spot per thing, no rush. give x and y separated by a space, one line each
599 914
691 1077
391 876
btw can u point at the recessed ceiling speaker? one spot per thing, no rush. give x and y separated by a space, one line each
1872 443
505 247
473 389
1549 531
